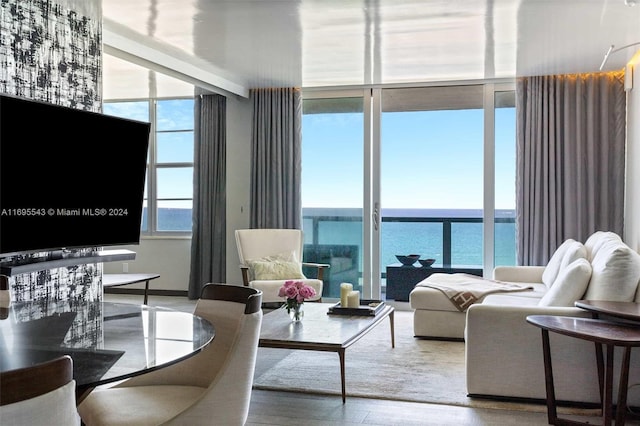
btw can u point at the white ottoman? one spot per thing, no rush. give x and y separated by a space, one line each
435 316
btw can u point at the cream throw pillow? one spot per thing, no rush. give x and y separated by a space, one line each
597 240
569 286
615 275
276 270
568 251
281 266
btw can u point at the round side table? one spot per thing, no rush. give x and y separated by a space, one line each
602 333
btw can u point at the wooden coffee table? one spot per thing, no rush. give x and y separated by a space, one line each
319 331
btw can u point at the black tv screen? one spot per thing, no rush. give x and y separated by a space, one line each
68 178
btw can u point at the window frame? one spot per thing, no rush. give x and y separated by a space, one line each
152 199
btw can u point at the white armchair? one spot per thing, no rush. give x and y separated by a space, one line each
269 257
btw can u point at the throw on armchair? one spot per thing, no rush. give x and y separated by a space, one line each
269 257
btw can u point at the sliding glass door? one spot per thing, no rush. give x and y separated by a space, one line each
420 170
332 182
505 182
431 180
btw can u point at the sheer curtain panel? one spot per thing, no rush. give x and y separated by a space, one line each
570 160
276 158
208 242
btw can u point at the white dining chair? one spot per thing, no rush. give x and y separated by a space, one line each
212 387
40 395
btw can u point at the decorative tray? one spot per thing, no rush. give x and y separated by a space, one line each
367 307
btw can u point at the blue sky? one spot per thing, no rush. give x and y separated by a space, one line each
430 159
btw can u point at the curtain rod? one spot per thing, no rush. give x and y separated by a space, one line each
611 50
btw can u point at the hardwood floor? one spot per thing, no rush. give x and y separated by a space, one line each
286 408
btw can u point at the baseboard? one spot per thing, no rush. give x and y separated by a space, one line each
140 291
573 404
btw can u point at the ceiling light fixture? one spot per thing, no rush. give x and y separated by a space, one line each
612 50
630 2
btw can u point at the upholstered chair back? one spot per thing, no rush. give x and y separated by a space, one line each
260 243
212 387
43 394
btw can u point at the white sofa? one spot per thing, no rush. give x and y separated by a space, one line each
504 352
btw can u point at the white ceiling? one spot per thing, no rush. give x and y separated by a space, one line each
236 45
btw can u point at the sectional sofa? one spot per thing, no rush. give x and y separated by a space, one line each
503 353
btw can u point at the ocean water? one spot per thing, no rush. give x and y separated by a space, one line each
344 227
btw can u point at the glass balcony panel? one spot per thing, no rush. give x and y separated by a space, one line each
332 182
466 244
423 238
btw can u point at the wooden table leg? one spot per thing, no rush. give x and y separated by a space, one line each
621 409
607 405
600 365
146 290
393 333
342 375
552 414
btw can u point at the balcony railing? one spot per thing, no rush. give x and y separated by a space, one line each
318 226
342 233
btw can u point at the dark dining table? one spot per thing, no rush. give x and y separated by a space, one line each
108 342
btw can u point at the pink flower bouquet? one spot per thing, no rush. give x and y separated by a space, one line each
296 292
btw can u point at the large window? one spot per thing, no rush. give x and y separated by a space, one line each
426 170
332 179
168 199
431 174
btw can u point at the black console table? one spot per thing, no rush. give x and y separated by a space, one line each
402 279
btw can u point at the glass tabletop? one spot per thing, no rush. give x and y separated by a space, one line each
107 341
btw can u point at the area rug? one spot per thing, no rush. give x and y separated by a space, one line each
417 370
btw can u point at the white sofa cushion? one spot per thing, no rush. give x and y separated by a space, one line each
508 299
569 286
569 251
596 240
615 273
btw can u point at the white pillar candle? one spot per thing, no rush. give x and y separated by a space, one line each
353 299
345 288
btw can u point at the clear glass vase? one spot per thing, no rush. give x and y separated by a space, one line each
296 312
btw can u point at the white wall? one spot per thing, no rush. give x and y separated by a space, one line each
632 196
238 179
170 257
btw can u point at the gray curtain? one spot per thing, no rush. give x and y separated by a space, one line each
276 158
208 243
570 160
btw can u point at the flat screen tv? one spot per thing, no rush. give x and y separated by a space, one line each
68 178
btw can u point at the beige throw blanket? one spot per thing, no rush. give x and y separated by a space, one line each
463 290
